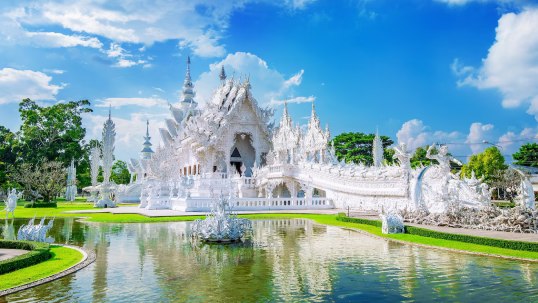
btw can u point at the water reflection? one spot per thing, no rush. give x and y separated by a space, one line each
287 260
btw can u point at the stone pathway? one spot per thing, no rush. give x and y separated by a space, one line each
8 253
462 231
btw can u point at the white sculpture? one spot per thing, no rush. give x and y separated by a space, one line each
392 223
220 225
38 233
106 189
71 188
525 197
377 150
403 155
11 203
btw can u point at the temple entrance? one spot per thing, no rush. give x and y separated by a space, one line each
242 153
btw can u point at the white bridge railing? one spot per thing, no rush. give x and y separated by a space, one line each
246 204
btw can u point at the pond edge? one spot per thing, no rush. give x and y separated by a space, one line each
88 257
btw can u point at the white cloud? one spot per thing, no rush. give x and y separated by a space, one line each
478 133
54 71
415 134
141 102
197 24
296 100
16 85
299 4
129 132
511 65
123 57
268 85
511 141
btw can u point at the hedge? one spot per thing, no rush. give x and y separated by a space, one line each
375 223
509 244
39 252
40 205
412 230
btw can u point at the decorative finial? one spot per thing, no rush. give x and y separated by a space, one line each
147 128
109 111
222 75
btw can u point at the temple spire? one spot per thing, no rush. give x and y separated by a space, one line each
377 150
187 96
147 152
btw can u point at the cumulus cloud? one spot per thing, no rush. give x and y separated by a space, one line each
479 134
141 102
16 85
415 133
511 65
269 86
511 141
123 57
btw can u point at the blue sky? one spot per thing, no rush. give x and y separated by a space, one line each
421 71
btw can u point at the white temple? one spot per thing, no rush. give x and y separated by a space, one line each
230 146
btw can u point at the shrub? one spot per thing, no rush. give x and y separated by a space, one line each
515 245
359 221
39 252
40 205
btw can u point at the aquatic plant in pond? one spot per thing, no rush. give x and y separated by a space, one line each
220 225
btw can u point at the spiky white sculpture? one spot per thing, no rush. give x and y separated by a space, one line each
377 150
221 226
71 188
107 157
95 155
38 233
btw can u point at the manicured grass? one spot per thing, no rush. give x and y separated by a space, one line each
62 258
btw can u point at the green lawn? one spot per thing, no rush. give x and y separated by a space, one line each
62 258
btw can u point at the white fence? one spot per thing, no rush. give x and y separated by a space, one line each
246 204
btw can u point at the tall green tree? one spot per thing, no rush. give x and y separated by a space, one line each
488 164
357 147
120 174
8 156
527 155
53 133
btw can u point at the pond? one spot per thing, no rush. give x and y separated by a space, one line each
286 261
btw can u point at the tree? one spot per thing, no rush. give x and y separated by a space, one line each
53 133
357 147
488 164
8 156
419 157
120 174
46 178
527 155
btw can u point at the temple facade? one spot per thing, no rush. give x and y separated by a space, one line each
231 146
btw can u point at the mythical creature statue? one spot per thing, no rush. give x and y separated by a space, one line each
392 223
